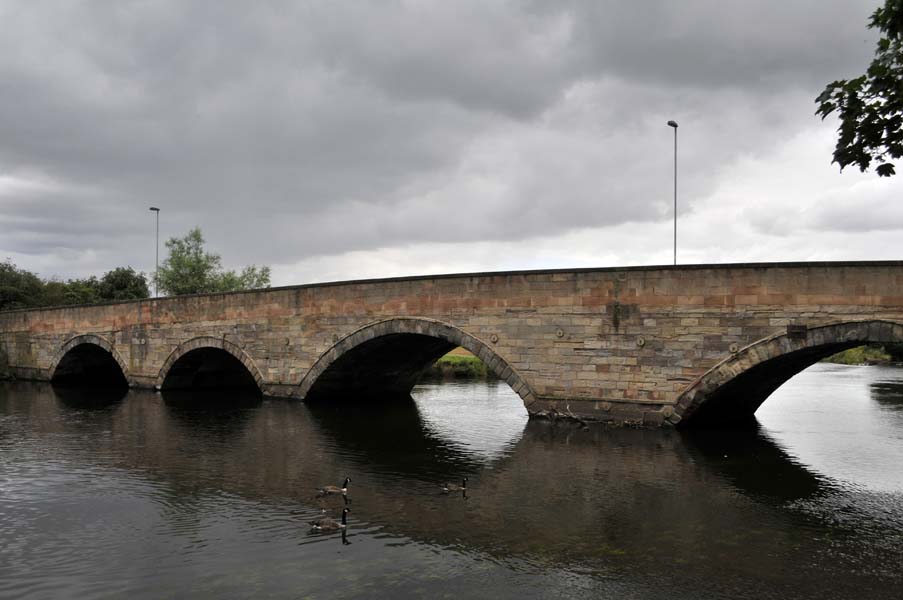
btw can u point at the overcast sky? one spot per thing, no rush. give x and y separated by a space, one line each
366 139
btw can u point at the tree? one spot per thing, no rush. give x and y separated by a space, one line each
80 291
123 283
870 107
19 288
22 289
250 278
190 269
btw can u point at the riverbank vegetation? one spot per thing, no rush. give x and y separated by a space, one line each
870 354
458 364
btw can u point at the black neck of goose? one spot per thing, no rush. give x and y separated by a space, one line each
344 517
345 485
464 482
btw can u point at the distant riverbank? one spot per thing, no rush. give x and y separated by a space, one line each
459 364
872 354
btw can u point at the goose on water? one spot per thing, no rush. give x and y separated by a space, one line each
329 524
331 489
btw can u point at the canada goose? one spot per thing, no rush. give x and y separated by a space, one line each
451 487
330 524
331 489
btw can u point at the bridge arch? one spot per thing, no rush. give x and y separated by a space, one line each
89 356
732 390
217 357
389 356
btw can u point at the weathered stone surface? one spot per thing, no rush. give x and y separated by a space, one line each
555 336
4 364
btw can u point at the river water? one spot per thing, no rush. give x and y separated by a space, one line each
154 496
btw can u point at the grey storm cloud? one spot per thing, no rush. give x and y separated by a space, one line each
290 130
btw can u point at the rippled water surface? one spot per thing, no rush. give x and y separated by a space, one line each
151 496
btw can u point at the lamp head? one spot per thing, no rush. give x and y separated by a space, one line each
155 209
672 124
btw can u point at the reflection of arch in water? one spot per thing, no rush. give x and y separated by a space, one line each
754 463
888 393
219 414
733 389
387 358
209 363
93 398
728 453
390 436
613 484
89 361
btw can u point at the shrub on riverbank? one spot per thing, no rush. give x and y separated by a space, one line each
871 354
458 366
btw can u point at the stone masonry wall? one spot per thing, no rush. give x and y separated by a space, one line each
610 344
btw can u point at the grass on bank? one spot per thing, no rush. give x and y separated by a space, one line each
459 364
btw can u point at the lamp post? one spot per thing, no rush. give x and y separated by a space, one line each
157 252
674 125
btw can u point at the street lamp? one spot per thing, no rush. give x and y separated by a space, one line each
157 253
674 125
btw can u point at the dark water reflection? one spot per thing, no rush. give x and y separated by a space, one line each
76 398
152 496
752 462
888 394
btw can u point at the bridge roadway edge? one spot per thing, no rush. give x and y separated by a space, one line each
619 345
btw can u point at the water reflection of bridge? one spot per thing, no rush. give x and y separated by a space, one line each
641 492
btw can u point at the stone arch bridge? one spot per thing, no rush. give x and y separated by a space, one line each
698 344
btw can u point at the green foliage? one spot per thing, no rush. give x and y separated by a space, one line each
870 107
22 289
19 288
123 283
861 355
250 278
455 366
190 269
81 291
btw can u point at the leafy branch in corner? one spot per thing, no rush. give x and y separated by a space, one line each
870 107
